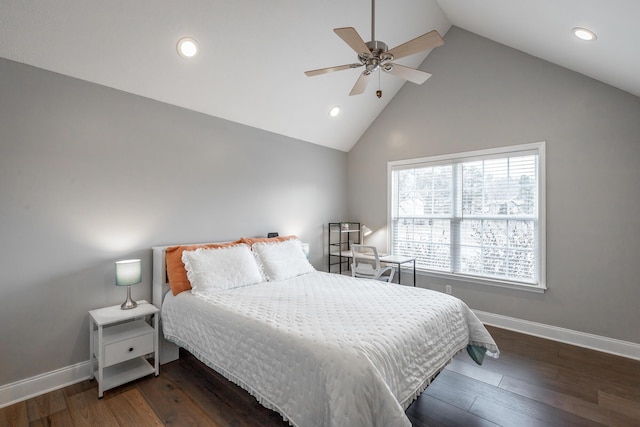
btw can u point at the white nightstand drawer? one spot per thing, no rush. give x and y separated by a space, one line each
128 349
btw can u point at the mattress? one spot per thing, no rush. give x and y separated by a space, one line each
324 349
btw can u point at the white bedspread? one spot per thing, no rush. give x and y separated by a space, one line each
324 349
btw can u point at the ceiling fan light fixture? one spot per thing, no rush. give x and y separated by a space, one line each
584 34
334 111
187 47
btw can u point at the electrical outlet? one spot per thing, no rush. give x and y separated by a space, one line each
447 289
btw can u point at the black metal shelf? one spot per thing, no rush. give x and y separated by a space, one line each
341 236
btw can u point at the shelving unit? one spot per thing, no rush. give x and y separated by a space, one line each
341 236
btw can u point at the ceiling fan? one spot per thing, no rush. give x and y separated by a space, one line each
375 56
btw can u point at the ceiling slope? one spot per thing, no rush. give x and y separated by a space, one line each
252 58
253 54
543 28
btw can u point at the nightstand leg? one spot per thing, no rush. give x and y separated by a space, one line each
100 362
156 344
91 349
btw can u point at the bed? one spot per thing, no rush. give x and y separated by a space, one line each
320 349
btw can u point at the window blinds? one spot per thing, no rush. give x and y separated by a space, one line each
475 216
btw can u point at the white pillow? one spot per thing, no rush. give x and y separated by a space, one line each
282 260
221 268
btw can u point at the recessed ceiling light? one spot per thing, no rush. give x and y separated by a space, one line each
334 111
584 34
187 47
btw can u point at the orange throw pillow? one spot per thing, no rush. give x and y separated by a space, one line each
176 273
251 240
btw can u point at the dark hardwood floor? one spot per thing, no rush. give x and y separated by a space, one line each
535 382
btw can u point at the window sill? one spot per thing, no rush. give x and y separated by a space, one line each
484 281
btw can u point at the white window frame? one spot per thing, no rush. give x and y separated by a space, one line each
535 148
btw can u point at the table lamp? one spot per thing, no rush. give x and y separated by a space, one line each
128 272
365 231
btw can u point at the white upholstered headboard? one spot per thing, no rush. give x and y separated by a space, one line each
159 283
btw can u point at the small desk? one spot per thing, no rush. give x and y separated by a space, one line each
389 259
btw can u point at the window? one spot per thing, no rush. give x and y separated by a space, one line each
476 216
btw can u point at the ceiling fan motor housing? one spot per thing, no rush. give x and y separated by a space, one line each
377 47
376 57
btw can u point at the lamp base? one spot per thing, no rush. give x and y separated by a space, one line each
129 303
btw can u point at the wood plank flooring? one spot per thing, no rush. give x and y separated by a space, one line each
535 382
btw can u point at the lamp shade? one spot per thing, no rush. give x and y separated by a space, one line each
128 272
366 230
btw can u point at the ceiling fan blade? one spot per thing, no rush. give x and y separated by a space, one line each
361 84
312 73
353 39
426 41
411 74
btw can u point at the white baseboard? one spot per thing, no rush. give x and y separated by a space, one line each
43 383
568 336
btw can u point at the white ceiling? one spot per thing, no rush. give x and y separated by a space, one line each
254 52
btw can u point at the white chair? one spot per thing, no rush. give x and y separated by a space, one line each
366 263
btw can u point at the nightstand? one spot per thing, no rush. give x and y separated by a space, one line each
120 346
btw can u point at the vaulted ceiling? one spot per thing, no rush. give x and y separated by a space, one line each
253 53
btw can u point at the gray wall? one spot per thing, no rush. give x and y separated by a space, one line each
90 175
482 95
